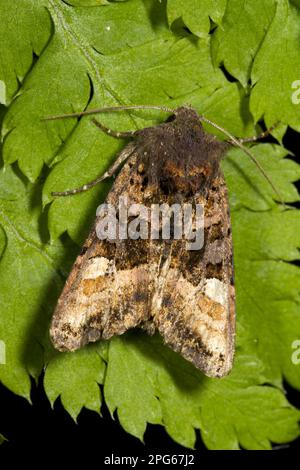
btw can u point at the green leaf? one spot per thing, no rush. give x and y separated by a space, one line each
249 187
237 42
30 21
76 55
196 15
275 69
74 394
128 385
268 288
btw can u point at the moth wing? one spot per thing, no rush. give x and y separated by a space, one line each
194 303
107 291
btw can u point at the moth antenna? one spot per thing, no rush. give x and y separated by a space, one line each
110 172
81 189
105 110
236 142
262 135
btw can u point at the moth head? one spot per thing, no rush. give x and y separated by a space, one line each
195 155
186 115
179 156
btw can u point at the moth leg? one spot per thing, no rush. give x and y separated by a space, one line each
119 135
262 135
110 172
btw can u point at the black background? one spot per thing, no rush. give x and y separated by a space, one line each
36 427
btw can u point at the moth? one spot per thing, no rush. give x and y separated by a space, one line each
158 285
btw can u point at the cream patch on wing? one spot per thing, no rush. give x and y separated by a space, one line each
206 308
96 267
216 290
203 315
80 305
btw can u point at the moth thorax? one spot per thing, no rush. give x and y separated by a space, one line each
185 179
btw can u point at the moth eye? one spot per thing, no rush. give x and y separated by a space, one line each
131 181
171 118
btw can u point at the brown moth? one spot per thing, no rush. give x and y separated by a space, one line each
158 285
